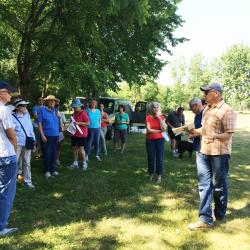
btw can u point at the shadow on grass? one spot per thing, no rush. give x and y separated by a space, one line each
116 187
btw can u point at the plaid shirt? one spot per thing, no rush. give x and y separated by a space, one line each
217 120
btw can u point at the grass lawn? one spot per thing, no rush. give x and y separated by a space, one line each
114 206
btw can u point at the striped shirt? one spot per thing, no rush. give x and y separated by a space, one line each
217 119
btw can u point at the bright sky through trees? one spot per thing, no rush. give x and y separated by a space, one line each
212 26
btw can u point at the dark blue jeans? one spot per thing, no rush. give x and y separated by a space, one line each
212 181
155 151
93 137
8 173
49 153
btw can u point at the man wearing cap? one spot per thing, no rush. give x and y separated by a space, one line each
218 125
8 161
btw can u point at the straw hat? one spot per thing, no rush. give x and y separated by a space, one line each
50 97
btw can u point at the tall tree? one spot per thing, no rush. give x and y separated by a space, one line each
235 72
87 46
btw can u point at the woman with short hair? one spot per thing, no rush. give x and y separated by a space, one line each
121 128
23 128
155 125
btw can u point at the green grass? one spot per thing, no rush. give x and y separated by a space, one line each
114 206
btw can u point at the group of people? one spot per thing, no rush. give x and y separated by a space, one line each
214 125
212 137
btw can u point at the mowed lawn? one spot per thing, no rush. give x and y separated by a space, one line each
114 206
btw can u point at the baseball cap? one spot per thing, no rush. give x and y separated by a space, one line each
215 86
5 85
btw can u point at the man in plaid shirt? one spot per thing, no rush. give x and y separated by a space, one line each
218 126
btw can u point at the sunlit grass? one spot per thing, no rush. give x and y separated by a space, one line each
114 206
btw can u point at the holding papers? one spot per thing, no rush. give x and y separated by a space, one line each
185 128
73 127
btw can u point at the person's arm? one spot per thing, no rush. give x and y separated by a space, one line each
11 136
162 123
40 127
151 131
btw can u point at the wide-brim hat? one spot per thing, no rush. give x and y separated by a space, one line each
216 86
76 103
20 102
50 97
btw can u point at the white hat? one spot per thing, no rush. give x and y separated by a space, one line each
20 102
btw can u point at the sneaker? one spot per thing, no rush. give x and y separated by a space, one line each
98 158
199 225
29 185
73 166
7 231
54 173
151 177
85 166
87 158
158 179
58 163
47 175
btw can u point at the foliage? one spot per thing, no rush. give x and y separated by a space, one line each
235 72
85 47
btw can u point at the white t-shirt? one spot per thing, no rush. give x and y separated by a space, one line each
6 148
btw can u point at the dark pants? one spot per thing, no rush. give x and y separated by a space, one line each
49 153
155 151
93 137
8 173
212 180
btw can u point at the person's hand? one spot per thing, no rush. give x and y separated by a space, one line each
191 133
44 139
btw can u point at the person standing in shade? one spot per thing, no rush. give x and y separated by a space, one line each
79 139
94 128
121 128
218 126
104 124
8 160
48 125
35 110
23 128
175 119
155 125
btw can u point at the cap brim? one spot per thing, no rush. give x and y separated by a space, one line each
205 88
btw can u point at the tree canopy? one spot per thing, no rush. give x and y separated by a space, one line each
84 47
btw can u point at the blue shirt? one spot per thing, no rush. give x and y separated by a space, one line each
35 109
27 125
49 121
197 124
94 118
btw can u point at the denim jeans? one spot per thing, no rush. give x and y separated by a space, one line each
212 181
102 142
155 152
49 153
8 173
93 137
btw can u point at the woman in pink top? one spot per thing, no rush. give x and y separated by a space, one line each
155 125
78 140
104 124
